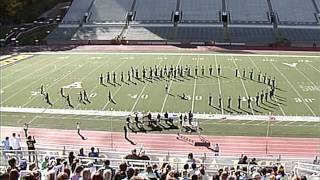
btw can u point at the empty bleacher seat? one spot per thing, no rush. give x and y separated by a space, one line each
76 11
154 10
294 11
300 35
248 11
200 10
97 33
110 10
251 35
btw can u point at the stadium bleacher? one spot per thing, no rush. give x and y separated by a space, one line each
251 35
97 33
200 34
255 11
200 20
110 11
76 11
62 34
148 33
201 10
154 11
300 35
294 12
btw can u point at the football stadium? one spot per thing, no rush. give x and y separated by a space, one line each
160 89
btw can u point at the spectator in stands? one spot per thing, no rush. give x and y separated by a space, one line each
203 174
23 164
15 142
6 144
155 170
31 148
194 169
81 153
130 173
143 156
12 164
106 166
253 161
121 174
45 163
166 168
133 155
67 171
107 174
148 173
191 160
86 174
77 173
62 176
97 176
185 172
281 175
215 177
4 176
93 153
71 157
243 160
14 174
224 175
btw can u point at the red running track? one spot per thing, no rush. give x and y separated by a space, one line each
229 145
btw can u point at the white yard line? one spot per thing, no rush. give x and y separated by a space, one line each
166 97
194 87
184 54
31 64
27 75
84 77
137 100
219 84
144 87
293 89
58 80
257 68
313 67
115 93
125 113
244 87
34 118
304 75
26 87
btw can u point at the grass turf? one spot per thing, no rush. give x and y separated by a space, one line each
298 88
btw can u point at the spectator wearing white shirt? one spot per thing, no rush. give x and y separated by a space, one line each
15 142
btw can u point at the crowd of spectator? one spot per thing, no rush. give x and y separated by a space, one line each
79 167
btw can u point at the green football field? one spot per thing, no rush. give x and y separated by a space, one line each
296 78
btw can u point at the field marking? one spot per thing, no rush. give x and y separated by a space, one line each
118 89
166 97
34 118
27 75
313 67
173 115
219 85
293 88
245 89
43 77
257 68
174 54
303 74
59 79
136 102
144 87
36 61
194 87
84 77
